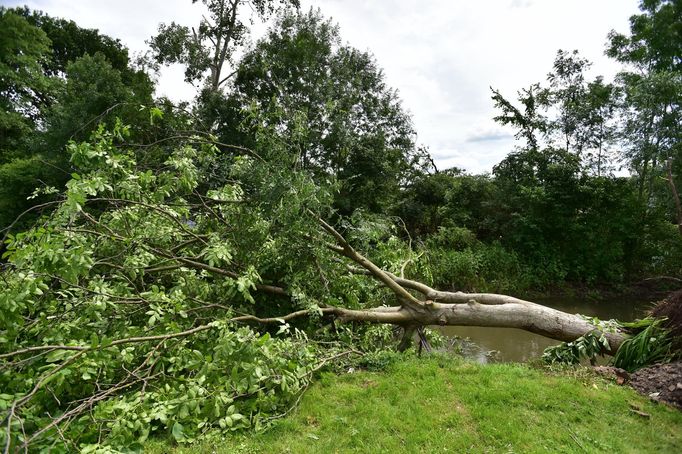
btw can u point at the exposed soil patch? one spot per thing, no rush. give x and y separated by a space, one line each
662 382
621 376
671 309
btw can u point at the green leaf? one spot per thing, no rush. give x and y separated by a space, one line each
94 340
155 113
178 431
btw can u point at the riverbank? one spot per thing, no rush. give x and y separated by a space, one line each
443 404
651 290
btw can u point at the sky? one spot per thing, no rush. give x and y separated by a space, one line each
441 55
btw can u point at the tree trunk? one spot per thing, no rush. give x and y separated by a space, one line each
675 194
486 310
458 308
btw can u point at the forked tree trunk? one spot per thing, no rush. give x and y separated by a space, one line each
485 310
458 308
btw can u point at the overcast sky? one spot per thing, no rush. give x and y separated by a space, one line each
441 55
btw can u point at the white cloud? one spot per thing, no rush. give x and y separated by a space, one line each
441 55
521 3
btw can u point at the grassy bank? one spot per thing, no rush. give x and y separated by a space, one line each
445 405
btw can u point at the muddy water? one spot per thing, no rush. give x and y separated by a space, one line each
512 345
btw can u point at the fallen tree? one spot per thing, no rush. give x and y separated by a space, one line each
464 309
123 311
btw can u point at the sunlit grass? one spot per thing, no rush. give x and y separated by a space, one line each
446 405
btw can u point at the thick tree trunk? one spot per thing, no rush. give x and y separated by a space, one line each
508 312
458 308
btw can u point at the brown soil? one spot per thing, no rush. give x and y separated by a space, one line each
671 309
662 382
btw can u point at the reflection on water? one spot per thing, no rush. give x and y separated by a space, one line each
514 345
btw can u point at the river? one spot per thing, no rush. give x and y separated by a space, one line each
486 345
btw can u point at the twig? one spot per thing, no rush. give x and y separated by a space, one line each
575 438
35 207
312 371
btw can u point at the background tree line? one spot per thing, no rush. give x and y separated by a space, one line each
554 204
551 211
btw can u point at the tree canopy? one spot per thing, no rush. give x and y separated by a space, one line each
331 100
59 81
213 43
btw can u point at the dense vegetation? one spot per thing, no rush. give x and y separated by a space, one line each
551 212
152 251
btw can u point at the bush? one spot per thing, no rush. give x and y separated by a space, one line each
651 345
453 259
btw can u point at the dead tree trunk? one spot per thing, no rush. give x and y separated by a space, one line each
458 308
479 310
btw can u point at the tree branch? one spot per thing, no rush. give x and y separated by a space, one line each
347 250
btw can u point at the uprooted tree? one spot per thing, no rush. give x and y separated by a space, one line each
137 306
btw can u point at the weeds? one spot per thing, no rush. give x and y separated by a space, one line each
651 345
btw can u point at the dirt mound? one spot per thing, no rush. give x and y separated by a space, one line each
661 382
671 309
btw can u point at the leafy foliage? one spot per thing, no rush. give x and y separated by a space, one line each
57 80
69 42
212 44
135 283
24 89
652 83
125 311
332 102
651 345
586 347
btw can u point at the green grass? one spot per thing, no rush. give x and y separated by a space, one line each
447 405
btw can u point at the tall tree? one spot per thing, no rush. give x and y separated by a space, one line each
56 81
70 42
586 110
567 90
26 93
600 124
529 119
569 112
25 90
92 88
332 101
655 39
212 44
653 90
